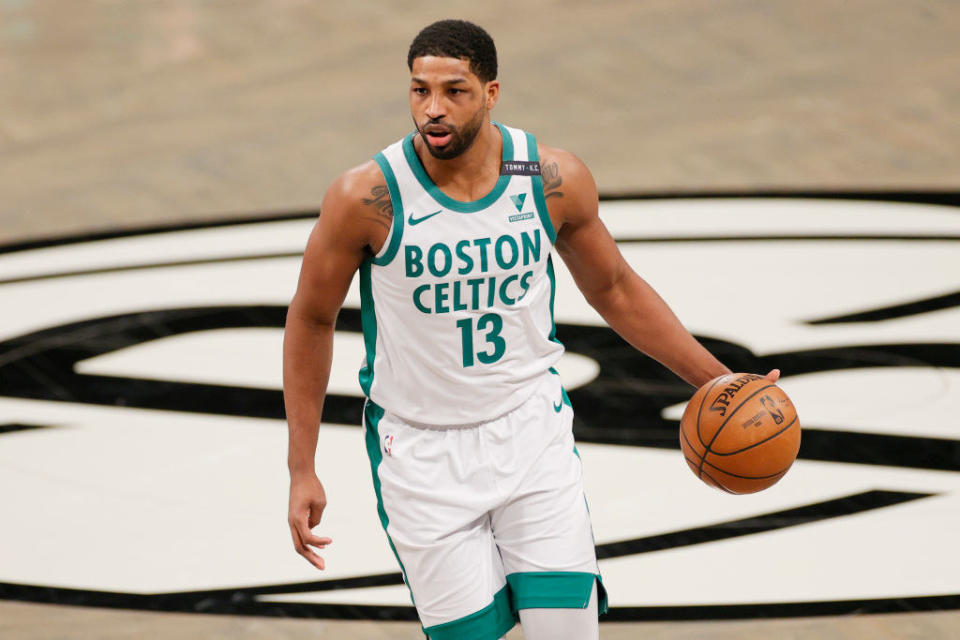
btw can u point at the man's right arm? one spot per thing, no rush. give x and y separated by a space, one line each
354 222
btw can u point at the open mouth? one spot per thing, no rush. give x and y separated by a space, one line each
439 138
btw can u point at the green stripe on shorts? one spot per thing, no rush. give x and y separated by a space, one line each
372 413
551 589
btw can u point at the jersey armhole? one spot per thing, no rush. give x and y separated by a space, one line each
392 243
539 199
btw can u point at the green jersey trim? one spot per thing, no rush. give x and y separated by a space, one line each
553 294
372 413
396 230
538 198
490 623
368 323
443 199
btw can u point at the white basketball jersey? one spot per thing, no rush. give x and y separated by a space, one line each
457 307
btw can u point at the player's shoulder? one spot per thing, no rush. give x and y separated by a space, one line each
568 185
564 159
560 165
349 190
356 209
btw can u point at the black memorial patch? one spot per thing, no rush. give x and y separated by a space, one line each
520 168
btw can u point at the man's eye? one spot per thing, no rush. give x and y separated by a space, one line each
420 91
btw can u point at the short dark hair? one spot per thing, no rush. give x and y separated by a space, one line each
457 39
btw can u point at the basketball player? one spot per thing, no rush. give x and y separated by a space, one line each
466 423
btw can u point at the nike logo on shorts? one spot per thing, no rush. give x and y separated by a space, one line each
414 221
557 407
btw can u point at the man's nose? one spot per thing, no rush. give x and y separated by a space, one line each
435 108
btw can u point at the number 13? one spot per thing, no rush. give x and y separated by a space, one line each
493 337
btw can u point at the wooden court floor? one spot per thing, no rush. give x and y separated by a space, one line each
29 621
116 115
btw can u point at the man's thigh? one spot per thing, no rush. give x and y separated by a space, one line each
434 499
543 531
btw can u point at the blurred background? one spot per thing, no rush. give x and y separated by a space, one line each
121 115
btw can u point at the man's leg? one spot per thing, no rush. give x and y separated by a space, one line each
543 527
438 525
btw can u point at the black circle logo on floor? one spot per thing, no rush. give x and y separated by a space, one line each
142 432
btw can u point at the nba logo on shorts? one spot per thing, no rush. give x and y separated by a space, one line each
388 445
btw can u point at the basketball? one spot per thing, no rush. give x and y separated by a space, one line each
740 433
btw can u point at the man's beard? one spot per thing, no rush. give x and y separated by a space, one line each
460 140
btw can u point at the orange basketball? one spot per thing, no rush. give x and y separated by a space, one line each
740 433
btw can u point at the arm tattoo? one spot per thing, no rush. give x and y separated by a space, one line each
551 180
380 202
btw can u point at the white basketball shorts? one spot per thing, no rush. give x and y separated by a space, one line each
486 519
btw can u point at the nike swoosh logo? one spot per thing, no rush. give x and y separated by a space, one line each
558 407
414 221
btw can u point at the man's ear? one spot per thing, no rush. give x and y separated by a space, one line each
492 89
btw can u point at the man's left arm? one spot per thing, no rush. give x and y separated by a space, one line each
629 305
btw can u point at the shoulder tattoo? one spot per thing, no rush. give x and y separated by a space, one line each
551 180
379 205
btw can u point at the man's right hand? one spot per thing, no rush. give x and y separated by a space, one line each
307 501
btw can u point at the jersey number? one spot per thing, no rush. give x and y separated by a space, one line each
492 324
